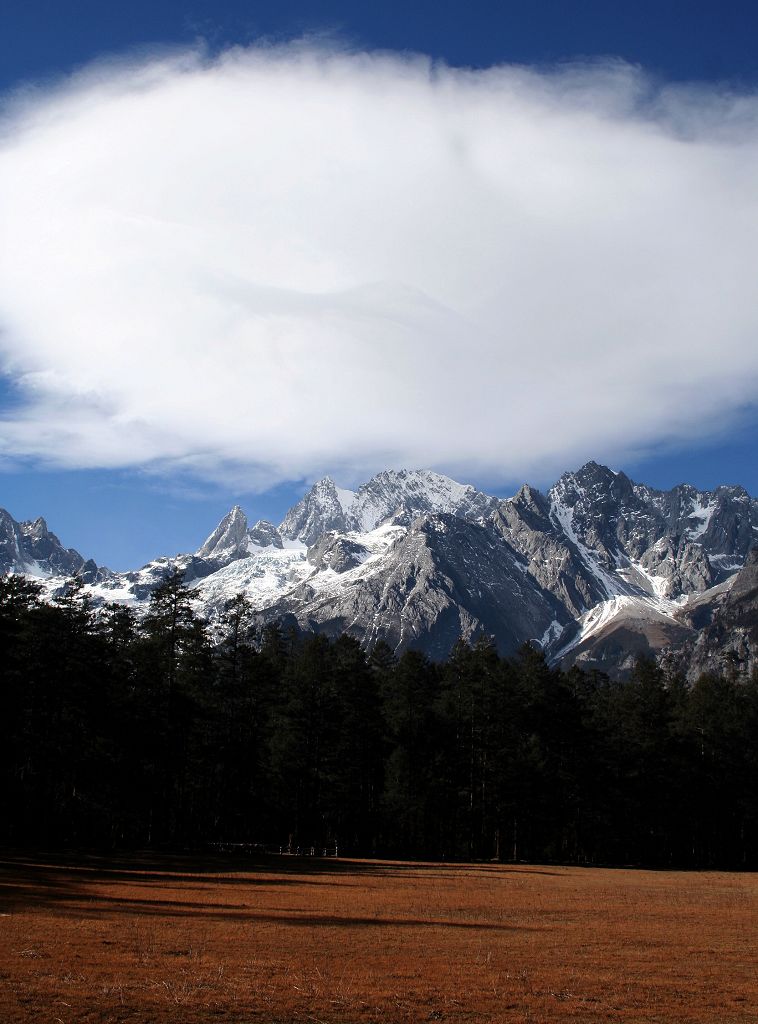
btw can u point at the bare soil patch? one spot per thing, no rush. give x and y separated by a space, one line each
184 941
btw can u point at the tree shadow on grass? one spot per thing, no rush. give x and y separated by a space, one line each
72 902
71 880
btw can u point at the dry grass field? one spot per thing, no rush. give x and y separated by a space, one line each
186 941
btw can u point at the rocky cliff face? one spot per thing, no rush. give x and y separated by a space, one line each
723 635
30 548
324 508
229 540
438 580
597 570
653 553
233 539
690 539
552 558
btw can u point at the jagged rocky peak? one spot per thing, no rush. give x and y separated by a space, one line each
595 491
529 497
723 523
719 519
229 539
596 507
528 507
407 493
414 493
594 480
727 522
325 507
608 512
30 547
264 535
35 530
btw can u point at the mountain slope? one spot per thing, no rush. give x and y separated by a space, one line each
598 569
441 578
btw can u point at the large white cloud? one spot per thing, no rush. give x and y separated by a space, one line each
280 262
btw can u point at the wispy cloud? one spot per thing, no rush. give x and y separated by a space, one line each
283 261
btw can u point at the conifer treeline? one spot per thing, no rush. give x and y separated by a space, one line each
131 733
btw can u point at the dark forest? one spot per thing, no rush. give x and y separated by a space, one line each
126 732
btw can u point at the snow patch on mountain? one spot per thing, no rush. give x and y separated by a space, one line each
702 513
263 577
345 498
658 584
619 607
726 563
552 633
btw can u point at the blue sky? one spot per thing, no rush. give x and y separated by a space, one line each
122 512
681 39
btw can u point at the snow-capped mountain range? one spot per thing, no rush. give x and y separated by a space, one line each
596 570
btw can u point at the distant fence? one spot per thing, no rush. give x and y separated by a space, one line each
252 849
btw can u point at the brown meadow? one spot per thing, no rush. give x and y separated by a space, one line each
183 941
